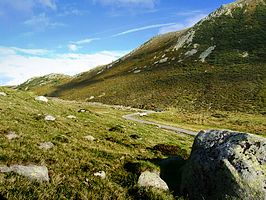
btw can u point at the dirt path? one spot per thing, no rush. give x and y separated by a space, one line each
166 127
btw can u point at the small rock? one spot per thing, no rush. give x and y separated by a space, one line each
142 114
137 71
150 179
3 94
49 118
90 138
11 135
46 145
33 172
41 98
71 117
91 97
100 174
82 111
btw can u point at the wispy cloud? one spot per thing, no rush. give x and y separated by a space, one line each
28 5
86 41
17 68
142 29
74 46
31 51
16 50
41 22
128 3
189 22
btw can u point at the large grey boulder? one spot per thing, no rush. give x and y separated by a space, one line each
33 172
226 165
151 179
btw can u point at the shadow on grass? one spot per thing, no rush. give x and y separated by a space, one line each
171 172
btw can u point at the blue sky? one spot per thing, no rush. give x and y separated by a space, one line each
39 37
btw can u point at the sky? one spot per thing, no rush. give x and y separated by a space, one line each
39 37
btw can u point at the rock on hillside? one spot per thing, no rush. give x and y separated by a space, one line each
226 165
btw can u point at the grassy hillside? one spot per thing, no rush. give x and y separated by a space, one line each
73 160
219 64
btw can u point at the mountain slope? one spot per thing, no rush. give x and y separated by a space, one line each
219 64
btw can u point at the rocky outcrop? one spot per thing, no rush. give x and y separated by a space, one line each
226 165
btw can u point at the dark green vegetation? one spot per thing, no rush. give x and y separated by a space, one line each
232 78
122 149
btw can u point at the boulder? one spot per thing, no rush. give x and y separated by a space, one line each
151 179
41 98
33 172
225 165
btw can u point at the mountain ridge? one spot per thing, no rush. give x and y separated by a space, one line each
219 63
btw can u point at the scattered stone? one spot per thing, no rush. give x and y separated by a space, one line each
33 172
226 165
3 94
49 118
90 138
82 110
46 145
41 98
143 114
71 117
11 135
245 54
100 174
191 52
91 97
137 71
102 95
206 53
151 179
163 60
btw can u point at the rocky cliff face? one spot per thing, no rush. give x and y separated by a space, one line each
226 165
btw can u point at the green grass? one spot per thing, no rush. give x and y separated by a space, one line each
238 121
73 161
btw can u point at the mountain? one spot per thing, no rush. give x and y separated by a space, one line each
218 64
44 84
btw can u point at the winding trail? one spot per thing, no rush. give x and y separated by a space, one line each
166 127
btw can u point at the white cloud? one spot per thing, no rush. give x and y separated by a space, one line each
86 41
189 22
41 22
18 68
142 28
28 5
31 51
123 3
73 47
